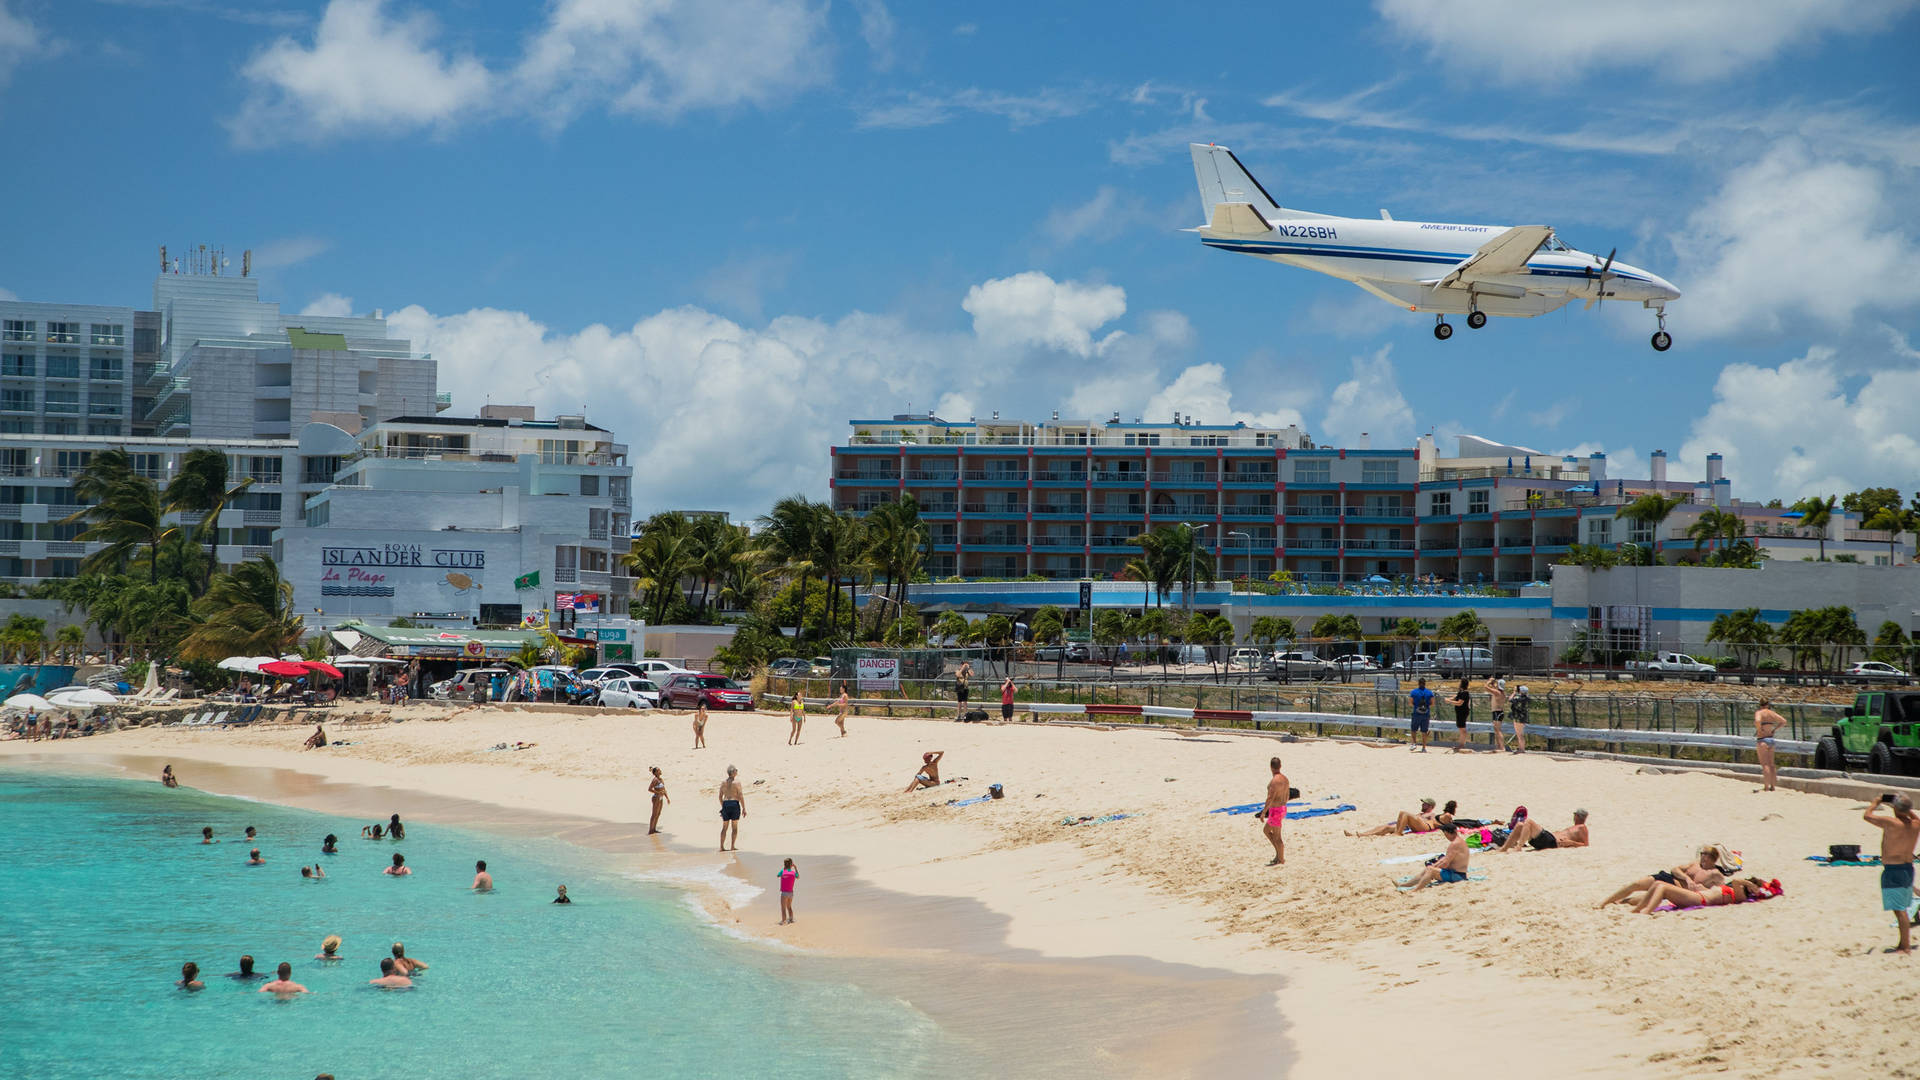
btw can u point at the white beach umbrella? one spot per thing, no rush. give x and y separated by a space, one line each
153 679
28 701
83 697
231 663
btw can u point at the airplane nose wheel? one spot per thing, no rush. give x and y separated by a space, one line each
1662 341
1476 319
1441 328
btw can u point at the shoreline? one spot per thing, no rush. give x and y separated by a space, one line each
1347 961
967 984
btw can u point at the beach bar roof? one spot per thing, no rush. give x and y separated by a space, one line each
429 642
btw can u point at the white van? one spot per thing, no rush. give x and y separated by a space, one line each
1471 660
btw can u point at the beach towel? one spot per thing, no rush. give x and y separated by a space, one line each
1472 876
1101 820
1825 860
970 802
1411 858
1318 811
1256 807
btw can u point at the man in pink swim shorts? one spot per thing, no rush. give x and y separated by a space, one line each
1275 812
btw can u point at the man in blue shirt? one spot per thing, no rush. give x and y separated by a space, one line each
1422 715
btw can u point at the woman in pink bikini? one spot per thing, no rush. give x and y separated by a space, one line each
788 875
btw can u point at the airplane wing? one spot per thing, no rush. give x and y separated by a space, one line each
1504 254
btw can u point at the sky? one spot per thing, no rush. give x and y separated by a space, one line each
725 230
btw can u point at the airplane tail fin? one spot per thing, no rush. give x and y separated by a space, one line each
1224 180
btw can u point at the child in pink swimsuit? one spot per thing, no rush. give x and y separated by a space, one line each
788 875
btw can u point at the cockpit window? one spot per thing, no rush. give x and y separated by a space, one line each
1554 244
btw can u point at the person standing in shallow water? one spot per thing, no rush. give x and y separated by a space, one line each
657 788
788 875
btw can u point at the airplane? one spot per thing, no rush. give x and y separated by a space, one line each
1471 270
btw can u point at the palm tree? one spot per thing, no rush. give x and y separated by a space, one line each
23 635
1407 633
1744 631
1651 510
1713 524
201 487
896 543
247 611
787 540
70 639
1817 513
1109 630
951 627
126 513
657 560
837 554
1154 626
1891 521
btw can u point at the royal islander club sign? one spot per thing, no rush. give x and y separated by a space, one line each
363 571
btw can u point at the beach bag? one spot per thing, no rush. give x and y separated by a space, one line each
976 716
1843 852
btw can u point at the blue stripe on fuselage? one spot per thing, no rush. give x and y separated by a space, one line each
1271 247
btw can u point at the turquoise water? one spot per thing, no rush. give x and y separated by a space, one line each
105 890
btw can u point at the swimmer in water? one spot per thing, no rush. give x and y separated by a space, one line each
329 948
313 871
246 971
562 898
190 977
284 984
405 964
254 859
399 867
206 835
328 846
395 830
482 881
250 837
391 977
372 832
167 778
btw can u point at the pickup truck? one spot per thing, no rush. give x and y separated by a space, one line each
1679 665
1294 665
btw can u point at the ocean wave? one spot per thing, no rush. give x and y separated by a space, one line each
713 879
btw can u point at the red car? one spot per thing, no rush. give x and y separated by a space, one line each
714 691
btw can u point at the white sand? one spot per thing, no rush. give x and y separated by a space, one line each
1514 975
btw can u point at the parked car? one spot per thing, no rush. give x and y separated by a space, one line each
1247 657
1294 665
1874 669
1072 652
822 667
598 675
715 691
461 687
1355 662
1671 663
654 669
629 692
790 667
1419 663
1880 730
1468 660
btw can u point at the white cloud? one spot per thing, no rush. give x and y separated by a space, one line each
329 304
1792 234
1798 429
665 57
248 15
18 40
1623 462
8 294
1700 39
1369 402
1033 309
1201 392
876 29
365 71
742 283
280 254
916 110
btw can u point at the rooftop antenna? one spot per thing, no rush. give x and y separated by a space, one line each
163 258
246 263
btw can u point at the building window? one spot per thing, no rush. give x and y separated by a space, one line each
63 367
61 401
17 330
16 400
1442 503
1313 471
63 333
1379 472
103 408
60 427
319 470
559 452
618 530
103 427
1477 502
146 340
1139 439
109 334
104 368
14 425
18 364
69 462
1600 530
260 469
597 524
617 486
589 485
1208 440
593 560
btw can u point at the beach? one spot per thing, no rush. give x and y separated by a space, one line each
1319 967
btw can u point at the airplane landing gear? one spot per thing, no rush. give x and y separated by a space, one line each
1441 329
1662 341
1476 319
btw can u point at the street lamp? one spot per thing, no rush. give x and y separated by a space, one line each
1247 556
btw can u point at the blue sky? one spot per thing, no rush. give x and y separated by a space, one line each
725 229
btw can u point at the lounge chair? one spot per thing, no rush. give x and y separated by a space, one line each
164 695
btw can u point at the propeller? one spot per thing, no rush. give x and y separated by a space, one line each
1600 279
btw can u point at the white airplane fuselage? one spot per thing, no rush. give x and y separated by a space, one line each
1395 259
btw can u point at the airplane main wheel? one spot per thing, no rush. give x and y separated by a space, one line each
1443 331
1477 319
1662 341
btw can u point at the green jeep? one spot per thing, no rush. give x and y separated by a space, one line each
1880 730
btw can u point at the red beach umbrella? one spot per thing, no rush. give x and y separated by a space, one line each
322 667
285 669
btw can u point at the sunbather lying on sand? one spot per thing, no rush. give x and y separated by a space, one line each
1423 822
1736 891
1702 873
1528 832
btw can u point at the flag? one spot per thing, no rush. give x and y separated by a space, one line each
588 602
563 601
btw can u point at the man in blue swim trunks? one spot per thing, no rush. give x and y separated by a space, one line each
1422 699
1451 867
1897 836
